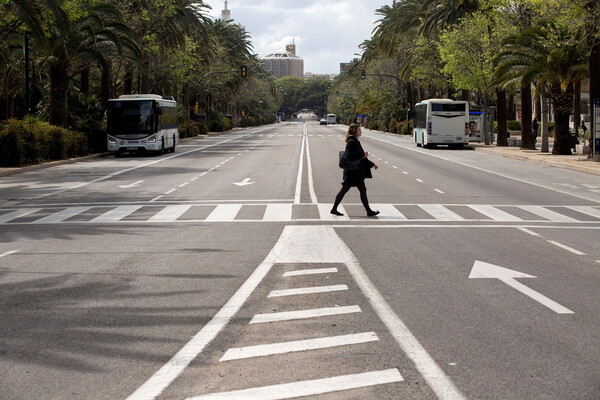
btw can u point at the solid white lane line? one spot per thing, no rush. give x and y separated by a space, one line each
439 382
303 314
308 388
311 185
278 212
440 212
494 213
307 290
548 214
313 271
263 350
17 214
62 215
224 212
8 253
116 214
565 247
170 213
299 176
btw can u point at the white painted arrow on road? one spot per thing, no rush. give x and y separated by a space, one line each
483 270
134 184
245 182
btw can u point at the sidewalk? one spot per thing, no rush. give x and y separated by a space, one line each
575 162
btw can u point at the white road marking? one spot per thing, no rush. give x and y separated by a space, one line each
224 213
308 388
300 168
440 212
548 214
326 215
170 213
419 180
263 350
532 233
303 314
439 191
17 214
483 270
389 212
312 271
311 185
62 215
116 214
494 213
442 386
8 253
594 212
278 212
307 290
565 247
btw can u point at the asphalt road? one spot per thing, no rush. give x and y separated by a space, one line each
217 272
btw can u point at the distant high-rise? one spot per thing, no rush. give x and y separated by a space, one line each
225 13
285 63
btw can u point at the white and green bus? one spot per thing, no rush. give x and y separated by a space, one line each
441 122
142 123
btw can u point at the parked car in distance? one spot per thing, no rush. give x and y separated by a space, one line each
323 121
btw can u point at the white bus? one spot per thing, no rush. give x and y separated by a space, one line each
330 119
142 122
441 122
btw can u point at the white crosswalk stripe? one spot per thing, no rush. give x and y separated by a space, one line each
284 212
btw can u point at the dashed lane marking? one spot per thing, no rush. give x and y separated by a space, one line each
308 388
263 350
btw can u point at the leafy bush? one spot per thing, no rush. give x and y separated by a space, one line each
192 129
513 125
31 141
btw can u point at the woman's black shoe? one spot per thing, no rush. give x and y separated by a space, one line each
336 212
372 213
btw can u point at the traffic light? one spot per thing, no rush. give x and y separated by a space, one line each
337 94
273 90
363 74
244 71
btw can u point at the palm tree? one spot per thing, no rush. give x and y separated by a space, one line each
547 54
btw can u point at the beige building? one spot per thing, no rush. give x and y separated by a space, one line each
285 63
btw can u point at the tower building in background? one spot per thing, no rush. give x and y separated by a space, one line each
225 13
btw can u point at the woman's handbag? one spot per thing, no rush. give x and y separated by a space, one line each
344 163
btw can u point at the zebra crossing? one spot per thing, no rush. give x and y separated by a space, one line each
288 212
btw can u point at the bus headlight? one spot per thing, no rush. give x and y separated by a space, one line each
152 139
112 140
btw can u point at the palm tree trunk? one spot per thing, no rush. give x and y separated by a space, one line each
544 120
501 115
526 113
563 105
59 84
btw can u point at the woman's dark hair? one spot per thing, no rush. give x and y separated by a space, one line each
352 129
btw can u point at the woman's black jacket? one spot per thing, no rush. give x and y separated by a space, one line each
355 152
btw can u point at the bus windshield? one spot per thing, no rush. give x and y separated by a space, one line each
127 117
449 107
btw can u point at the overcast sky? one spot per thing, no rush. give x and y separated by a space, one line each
326 32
